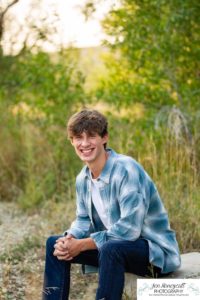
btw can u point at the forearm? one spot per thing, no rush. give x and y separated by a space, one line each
87 244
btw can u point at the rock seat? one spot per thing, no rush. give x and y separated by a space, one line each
190 268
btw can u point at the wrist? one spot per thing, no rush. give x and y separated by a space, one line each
87 244
83 246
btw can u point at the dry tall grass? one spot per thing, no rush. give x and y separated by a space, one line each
38 164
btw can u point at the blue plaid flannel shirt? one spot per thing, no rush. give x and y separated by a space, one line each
134 209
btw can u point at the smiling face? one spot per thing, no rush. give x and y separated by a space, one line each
90 147
87 131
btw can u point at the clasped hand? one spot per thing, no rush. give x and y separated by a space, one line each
67 247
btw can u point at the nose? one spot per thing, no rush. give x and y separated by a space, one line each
85 141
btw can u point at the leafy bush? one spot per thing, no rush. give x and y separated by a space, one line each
37 94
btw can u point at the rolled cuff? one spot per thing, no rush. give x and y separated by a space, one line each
75 232
99 238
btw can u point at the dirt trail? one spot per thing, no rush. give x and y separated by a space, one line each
22 252
15 226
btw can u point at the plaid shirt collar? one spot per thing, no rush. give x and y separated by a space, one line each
106 172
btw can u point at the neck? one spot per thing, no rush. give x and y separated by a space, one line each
97 166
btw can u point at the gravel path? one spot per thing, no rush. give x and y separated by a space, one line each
15 226
22 253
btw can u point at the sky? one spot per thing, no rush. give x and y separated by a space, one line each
71 25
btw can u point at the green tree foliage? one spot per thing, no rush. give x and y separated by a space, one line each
50 84
153 80
37 94
157 53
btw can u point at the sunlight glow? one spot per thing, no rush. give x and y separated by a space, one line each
65 15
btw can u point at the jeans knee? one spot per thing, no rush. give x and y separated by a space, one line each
50 242
109 250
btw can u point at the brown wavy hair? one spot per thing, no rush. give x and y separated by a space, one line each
89 121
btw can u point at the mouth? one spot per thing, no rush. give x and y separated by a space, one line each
86 151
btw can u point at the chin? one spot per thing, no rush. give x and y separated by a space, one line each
87 159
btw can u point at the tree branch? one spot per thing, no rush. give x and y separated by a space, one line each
2 14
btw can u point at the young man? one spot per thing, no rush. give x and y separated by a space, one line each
121 224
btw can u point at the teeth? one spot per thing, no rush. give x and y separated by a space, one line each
87 151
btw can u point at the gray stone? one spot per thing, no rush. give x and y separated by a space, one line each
190 268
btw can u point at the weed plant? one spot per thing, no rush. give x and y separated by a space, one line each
173 163
38 165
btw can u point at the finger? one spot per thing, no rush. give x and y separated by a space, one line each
70 258
65 257
60 253
60 246
64 238
61 239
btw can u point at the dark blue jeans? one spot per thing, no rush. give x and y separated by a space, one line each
113 259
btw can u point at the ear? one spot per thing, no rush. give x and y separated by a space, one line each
105 138
71 141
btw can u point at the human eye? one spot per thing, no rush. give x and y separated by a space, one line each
77 137
93 135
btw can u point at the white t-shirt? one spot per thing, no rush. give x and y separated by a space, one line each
98 203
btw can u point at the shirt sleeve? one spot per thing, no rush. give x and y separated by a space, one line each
80 227
132 212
